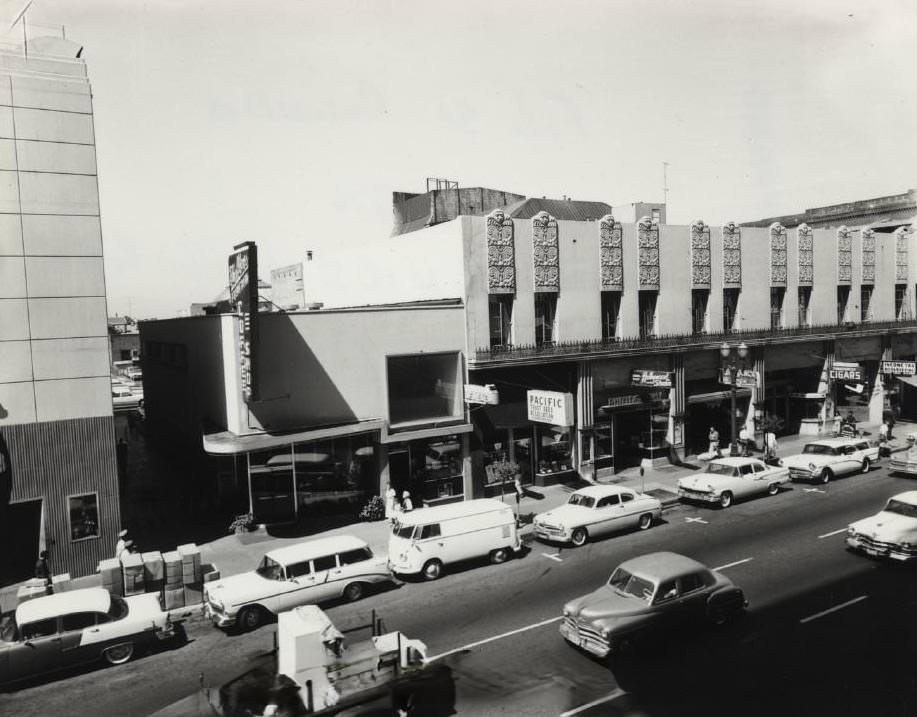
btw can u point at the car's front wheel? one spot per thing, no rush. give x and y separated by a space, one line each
824 476
353 592
250 617
725 499
646 520
773 489
499 555
866 465
432 569
579 537
119 654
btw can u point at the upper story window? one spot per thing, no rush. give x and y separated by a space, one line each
700 298
865 303
843 299
500 307
731 310
902 310
424 387
611 314
648 313
805 299
777 296
545 317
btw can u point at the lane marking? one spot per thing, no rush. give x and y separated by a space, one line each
471 645
833 609
732 565
602 700
813 490
696 520
555 556
833 532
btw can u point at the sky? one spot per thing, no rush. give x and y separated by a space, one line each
290 122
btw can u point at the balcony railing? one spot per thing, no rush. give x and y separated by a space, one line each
683 340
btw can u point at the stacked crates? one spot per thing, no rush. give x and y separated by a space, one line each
112 577
191 572
173 588
153 571
132 567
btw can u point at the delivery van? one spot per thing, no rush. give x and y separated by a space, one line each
423 541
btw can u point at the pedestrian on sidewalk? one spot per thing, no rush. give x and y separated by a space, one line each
770 445
406 502
122 539
390 501
714 438
43 570
743 440
883 432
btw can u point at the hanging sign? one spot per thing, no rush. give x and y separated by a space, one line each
846 371
243 296
487 395
550 407
745 378
899 368
648 377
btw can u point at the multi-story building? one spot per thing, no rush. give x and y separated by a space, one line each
57 452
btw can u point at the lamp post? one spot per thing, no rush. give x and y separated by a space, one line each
732 357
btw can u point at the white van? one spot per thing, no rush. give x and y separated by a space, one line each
424 540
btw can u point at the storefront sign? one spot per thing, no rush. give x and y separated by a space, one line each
487 395
745 377
648 377
550 407
621 401
243 296
899 368
846 371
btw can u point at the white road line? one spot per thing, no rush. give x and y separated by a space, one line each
471 645
833 532
732 565
833 609
602 700
555 556
813 490
696 520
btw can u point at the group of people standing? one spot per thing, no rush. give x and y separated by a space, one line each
746 443
397 504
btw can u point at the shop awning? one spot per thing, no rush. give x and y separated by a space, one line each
909 380
714 396
229 443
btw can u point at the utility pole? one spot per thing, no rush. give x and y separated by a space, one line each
25 39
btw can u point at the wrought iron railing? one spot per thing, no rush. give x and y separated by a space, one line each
681 340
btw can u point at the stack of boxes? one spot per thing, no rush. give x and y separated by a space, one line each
152 571
191 572
174 591
132 566
112 577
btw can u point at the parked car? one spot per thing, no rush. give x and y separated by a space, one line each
904 462
645 596
890 533
824 459
123 397
726 479
597 510
51 633
300 574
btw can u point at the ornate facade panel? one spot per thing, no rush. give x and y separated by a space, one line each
545 252
778 254
611 254
869 256
732 255
700 255
501 254
844 255
901 254
648 246
804 241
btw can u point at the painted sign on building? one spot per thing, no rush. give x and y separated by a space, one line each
550 407
745 377
647 377
846 371
487 395
287 287
899 368
243 295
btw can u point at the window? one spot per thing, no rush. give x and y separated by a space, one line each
424 387
78 621
730 310
694 581
501 319
625 497
745 469
611 314
901 308
84 516
647 308
326 562
429 531
609 500
843 298
355 556
699 301
295 570
777 294
667 591
545 316
865 303
272 570
805 298
42 628
759 468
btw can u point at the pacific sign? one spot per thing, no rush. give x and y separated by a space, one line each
550 407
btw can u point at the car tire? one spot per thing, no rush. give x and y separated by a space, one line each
432 569
866 466
119 654
500 555
725 499
773 489
579 537
646 520
354 591
250 617
825 476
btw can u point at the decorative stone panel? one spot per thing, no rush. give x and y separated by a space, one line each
648 245
732 255
778 254
844 255
901 254
545 252
501 254
806 254
869 256
611 254
700 255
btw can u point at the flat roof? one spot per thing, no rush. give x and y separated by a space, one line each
316 548
449 511
65 603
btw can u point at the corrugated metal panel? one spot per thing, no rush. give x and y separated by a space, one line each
56 459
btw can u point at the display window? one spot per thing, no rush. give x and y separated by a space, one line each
431 469
554 449
83 511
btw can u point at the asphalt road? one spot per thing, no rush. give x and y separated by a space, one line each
828 632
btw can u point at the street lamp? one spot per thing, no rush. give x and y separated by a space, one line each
733 360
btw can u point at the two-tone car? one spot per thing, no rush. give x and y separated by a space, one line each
904 461
54 632
728 479
649 596
824 459
890 533
595 511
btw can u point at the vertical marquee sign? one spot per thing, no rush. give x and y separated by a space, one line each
243 295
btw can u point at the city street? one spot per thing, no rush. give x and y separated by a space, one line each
827 631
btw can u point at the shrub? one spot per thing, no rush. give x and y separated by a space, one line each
373 510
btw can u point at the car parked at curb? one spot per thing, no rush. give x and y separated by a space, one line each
54 632
594 511
890 533
824 459
728 479
904 461
647 596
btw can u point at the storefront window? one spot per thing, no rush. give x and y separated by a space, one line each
430 469
84 516
554 454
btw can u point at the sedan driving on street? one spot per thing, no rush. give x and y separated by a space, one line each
890 533
820 461
726 479
647 595
594 511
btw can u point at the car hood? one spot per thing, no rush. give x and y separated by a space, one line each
887 526
244 587
565 515
604 603
703 482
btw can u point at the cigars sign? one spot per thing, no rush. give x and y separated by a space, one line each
550 407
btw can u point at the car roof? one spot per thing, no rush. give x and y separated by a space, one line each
909 496
600 491
662 565
316 548
835 442
736 460
65 603
463 509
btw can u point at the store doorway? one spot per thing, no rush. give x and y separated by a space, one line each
22 528
629 428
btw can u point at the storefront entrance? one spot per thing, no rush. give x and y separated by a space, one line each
430 469
21 527
713 409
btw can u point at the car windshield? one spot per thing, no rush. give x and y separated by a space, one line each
720 469
583 500
626 583
118 608
270 569
8 628
817 449
402 531
901 508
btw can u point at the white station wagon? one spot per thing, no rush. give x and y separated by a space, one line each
726 479
594 511
301 574
822 460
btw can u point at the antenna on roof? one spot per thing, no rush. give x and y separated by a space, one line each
665 183
21 16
